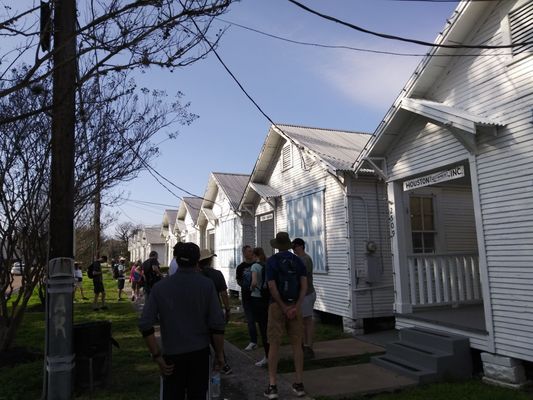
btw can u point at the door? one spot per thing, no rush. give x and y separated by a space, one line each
265 232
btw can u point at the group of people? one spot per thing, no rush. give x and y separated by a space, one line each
278 295
142 276
192 307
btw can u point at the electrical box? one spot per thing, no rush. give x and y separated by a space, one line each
373 268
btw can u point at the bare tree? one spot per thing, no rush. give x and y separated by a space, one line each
116 122
116 35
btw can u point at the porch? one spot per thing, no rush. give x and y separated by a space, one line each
445 290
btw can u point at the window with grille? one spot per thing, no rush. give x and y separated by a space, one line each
521 28
286 156
422 224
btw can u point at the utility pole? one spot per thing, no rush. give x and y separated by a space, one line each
59 309
97 210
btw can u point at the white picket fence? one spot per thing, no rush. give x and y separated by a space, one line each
444 279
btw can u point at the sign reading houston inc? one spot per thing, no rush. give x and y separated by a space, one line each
437 177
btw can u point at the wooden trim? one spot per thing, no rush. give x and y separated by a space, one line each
483 265
397 218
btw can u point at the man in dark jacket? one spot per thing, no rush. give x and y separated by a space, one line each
190 317
151 273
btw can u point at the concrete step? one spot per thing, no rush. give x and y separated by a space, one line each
399 365
438 340
415 354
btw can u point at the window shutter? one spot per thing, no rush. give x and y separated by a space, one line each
521 27
287 157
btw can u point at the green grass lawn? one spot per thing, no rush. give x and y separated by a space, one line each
470 390
134 375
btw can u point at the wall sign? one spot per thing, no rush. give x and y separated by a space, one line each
437 177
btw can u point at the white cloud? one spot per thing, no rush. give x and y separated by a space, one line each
372 80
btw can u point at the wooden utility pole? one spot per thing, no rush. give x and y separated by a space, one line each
59 310
97 227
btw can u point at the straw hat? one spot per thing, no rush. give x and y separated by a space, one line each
205 254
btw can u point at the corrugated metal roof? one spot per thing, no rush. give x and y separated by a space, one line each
337 148
193 205
265 191
430 68
447 114
233 186
153 235
169 218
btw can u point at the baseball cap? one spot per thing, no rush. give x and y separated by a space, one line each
187 254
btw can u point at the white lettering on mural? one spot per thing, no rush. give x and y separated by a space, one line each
437 177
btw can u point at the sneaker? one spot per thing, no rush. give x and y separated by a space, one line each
251 346
96 309
133 298
271 392
226 369
262 362
298 389
103 308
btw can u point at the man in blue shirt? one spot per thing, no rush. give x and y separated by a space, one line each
287 282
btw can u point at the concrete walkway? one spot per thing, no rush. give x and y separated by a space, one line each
335 382
247 382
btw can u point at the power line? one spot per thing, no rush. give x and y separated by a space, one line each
146 202
358 49
244 90
403 39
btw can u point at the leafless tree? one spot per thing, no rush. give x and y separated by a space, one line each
114 35
116 122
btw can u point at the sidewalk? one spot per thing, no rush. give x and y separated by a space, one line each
247 382
335 382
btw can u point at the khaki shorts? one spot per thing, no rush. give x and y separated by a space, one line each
278 324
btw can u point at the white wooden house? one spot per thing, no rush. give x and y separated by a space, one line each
143 241
168 233
456 151
303 183
222 227
186 219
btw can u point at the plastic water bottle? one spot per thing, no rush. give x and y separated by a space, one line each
215 385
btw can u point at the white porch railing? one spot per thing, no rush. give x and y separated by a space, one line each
444 279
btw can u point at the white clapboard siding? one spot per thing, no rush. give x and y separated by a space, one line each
374 210
499 87
229 247
457 213
422 147
332 287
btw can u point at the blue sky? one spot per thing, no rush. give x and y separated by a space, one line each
294 84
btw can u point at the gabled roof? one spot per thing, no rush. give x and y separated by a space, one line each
153 235
190 205
233 186
334 149
337 148
412 98
169 219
